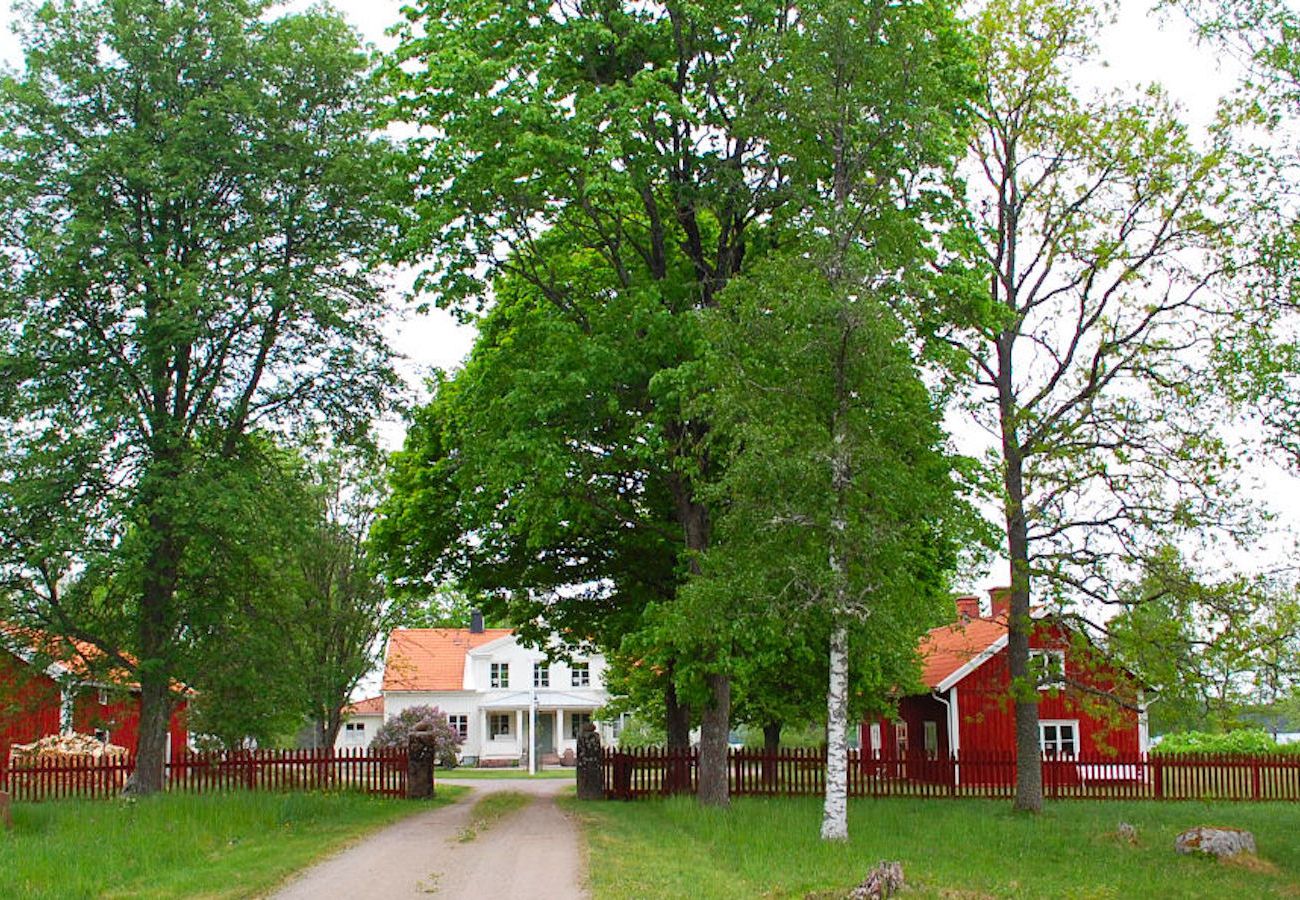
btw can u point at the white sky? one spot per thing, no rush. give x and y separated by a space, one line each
1136 51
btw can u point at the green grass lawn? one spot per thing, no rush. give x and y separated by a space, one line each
181 845
954 849
458 773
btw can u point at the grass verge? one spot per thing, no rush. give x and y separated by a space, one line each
489 774
181 845
967 849
489 810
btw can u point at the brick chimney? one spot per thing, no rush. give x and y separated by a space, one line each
475 622
1000 602
968 607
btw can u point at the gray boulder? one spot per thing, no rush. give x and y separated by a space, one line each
1220 842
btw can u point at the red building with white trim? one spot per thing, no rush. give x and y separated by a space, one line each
968 710
39 698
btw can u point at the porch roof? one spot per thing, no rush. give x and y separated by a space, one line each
545 700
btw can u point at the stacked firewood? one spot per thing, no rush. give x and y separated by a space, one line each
66 746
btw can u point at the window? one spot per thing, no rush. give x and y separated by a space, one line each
499 725
1047 667
101 735
356 726
460 725
500 675
103 697
581 674
541 675
1057 738
900 737
576 721
931 739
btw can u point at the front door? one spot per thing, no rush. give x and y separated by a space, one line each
545 735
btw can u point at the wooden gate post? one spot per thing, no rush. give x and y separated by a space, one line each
6 817
422 753
590 764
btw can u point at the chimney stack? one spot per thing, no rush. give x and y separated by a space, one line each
968 607
1000 599
475 621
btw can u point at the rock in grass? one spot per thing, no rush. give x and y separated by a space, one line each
1220 842
885 880
1127 833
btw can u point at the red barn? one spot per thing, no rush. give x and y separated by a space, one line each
38 699
968 710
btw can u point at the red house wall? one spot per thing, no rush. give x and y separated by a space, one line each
988 722
31 704
987 715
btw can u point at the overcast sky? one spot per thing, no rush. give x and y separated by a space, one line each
1138 49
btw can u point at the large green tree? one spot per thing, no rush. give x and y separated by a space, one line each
191 197
640 136
1095 223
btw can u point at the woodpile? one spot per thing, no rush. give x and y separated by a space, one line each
66 747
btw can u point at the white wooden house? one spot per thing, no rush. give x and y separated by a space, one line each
503 698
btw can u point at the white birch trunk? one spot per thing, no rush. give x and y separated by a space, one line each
835 815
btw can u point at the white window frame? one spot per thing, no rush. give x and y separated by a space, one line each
103 697
900 737
459 723
1055 750
931 728
541 674
101 735
499 725
355 726
580 675
1040 667
499 675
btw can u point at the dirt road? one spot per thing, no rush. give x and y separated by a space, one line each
532 853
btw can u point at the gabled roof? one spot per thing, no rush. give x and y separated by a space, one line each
371 706
432 659
60 657
950 652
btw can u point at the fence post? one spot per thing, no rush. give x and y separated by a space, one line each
1158 776
1254 778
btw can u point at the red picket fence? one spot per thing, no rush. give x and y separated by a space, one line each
650 772
372 771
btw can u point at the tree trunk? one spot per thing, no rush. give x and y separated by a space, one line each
771 747
151 749
715 721
835 814
157 601
1029 767
715 727
677 721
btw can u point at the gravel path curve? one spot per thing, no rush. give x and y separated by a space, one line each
531 853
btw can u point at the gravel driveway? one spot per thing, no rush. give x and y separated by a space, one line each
532 853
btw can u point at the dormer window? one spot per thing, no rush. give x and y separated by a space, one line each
499 675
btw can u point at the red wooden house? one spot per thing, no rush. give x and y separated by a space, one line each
968 710
50 692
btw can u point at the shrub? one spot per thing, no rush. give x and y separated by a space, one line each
396 732
1243 740
639 733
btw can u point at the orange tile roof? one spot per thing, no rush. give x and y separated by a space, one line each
949 647
432 659
76 656
371 706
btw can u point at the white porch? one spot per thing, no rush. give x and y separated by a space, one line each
548 721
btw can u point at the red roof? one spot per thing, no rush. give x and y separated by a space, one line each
75 656
949 647
432 659
371 706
